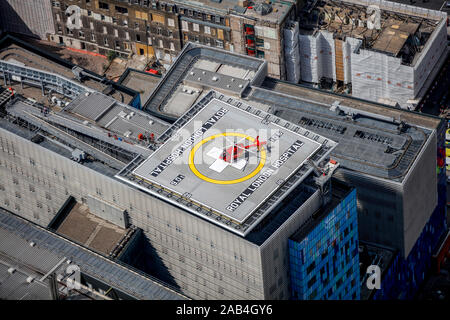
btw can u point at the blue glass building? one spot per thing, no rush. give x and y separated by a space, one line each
404 276
323 253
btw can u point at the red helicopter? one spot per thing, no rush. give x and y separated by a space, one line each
235 151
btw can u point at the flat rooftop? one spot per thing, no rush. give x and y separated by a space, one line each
210 158
224 66
93 232
115 117
51 253
227 182
12 48
374 143
370 143
141 81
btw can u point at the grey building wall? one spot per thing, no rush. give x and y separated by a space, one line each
379 203
390 213
204 260
32 18
422 180
29 185
107 211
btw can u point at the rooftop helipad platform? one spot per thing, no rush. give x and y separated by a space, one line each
231 160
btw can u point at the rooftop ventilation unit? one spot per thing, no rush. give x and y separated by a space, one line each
263 8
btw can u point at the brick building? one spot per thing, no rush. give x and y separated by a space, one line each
157 29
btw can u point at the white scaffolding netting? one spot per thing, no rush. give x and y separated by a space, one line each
308 58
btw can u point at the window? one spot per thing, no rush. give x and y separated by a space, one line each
196 27
103 5
81 34
172 46
58 18
311 281
171 22
220 34
219 44
136 25
158 18
102 17
55 4
138 37
126 46
92 37
116 32
141 15
114 20
311 267
184 26
149 40
207 30
105 30
121 10
91 24
89 12
127 35
161 45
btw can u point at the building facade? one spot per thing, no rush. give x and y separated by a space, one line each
32 18
160 29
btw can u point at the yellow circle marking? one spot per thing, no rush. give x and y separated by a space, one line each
262 160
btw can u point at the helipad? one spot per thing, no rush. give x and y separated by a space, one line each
228 157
